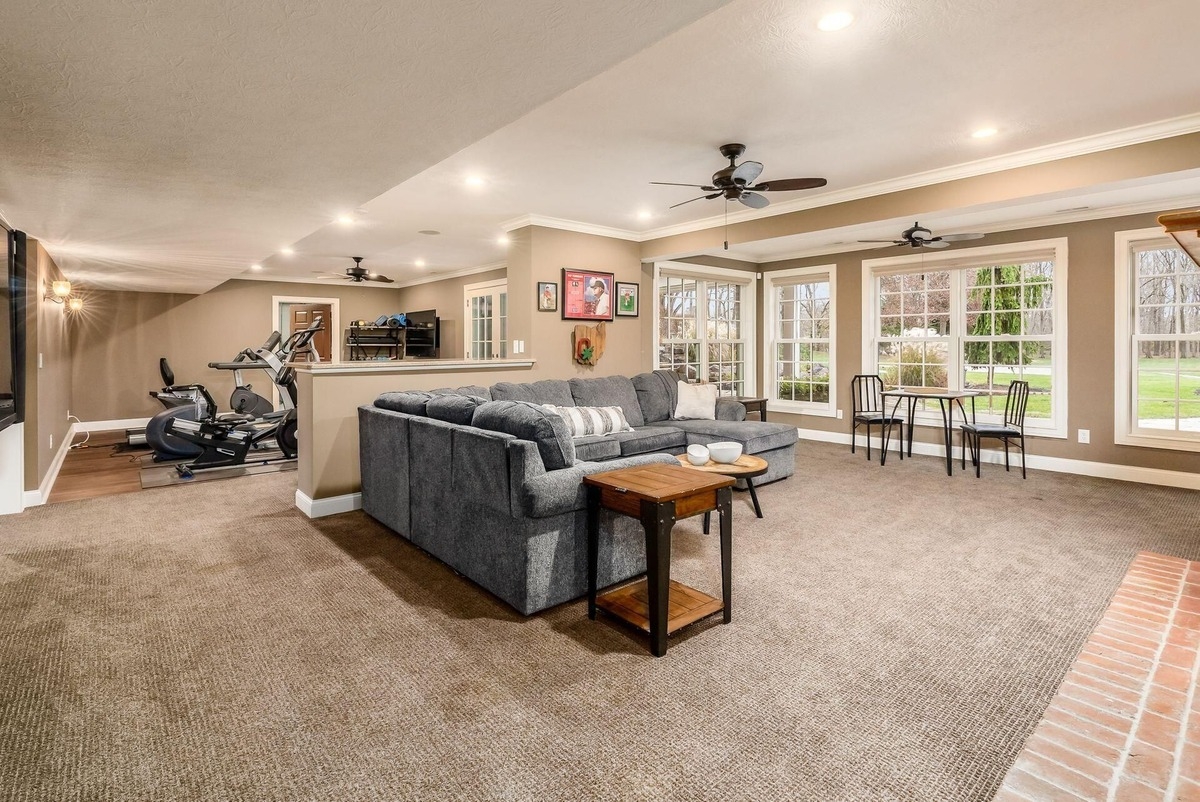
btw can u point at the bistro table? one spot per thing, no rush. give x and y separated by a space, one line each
946 400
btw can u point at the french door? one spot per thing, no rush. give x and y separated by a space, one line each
486 332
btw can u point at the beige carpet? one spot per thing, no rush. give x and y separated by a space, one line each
896 636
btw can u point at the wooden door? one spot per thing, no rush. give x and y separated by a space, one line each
301 316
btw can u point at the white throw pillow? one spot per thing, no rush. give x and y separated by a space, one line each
696 402
588 421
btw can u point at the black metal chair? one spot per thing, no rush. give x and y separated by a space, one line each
866 407
1013 428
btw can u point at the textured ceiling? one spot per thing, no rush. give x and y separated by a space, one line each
170 148
167 145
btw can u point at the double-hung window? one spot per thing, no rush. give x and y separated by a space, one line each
798 362
974 319
704 326
1157 327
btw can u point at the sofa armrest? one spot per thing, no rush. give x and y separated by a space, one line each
557 492
730 409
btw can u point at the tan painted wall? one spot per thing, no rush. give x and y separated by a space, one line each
446 297
121 336
1091 343
48 389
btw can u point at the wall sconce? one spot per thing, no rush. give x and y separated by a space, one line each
60 293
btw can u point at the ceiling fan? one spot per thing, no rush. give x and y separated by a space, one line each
920 237
357 274
736 182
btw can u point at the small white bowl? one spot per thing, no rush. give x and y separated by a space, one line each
697 455
725 452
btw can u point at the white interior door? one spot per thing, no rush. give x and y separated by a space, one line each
487 321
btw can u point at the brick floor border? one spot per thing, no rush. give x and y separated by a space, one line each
1125 723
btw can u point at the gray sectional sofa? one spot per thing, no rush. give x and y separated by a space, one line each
489 481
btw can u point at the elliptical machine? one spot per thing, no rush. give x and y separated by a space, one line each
194 431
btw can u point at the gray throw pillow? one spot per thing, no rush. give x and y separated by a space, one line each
453 408
528 421
410 402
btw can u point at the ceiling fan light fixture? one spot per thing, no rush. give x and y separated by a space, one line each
835 21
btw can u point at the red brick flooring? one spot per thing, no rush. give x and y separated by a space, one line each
1125 724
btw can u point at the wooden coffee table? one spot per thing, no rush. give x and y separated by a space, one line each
658 495
745 467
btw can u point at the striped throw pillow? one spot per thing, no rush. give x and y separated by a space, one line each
588 421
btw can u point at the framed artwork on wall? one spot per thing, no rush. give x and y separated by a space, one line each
547 296
587 295
627 299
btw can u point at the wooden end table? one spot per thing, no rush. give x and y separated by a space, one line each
658 495
745 467
752 403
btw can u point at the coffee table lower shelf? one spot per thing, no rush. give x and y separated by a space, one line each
685 605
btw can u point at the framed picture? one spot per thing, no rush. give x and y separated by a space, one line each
547 296
627 299
587 295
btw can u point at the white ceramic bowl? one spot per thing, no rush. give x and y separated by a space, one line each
697 455
725 452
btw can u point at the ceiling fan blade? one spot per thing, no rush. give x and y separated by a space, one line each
329 274
746 172
699 197
959 237
673 184
754 200
934 243
789 184
377 277
886 241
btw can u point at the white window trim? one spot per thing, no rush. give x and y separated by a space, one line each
1057 427
770 281
749 303
1124 433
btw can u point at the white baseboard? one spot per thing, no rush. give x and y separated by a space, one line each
319 508
36 498
1103 470
111 425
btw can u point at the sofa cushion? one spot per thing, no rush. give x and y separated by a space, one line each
477 390
587 421
410 402
529 422
453 408
755 436
649 439
655 394
546 391
595 448
609 391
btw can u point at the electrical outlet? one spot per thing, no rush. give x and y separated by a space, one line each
839 414
51 442
39 360
1085 435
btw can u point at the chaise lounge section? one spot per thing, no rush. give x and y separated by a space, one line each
490 482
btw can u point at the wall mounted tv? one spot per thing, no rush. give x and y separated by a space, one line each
12 329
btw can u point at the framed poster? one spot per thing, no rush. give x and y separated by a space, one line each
547 296
587 295
627 299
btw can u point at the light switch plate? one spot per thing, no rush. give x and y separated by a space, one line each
1085 435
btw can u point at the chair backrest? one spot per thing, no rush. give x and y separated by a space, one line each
865 393
1015 402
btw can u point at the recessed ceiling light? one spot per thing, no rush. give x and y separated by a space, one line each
835 21
644 215
345 219
256 267
286 251
474 181
429 232
502 239
419 263
983 133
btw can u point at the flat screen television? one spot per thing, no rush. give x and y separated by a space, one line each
12 329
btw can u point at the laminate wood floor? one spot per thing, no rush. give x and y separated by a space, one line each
99 469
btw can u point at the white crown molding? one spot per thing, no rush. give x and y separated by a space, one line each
1163 129
466 271
1014 224
572 225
